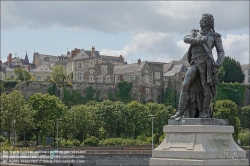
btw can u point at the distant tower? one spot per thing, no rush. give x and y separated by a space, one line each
26 59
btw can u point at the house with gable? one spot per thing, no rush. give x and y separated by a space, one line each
146 78
89 66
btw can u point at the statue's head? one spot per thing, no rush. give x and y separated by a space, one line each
207 20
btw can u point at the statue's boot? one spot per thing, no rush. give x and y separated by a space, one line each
183 103
206 106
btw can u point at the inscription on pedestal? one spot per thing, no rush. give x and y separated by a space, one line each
181 141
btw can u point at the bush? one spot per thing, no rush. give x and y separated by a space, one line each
244 114
244 137
92 141
75 142
64 143
122 142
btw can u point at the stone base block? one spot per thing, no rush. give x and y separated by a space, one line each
210 142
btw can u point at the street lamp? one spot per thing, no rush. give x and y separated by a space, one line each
152 119
57 130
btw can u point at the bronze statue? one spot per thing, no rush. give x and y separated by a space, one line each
199 85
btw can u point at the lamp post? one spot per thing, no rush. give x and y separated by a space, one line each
152 119
57 130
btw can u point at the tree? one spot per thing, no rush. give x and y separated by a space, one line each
58 73
114 117
171 97
227 109
162 114
22 74
124 89
244 114
13 107
47 110
137 118
232 69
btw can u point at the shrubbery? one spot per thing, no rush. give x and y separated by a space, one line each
244 137
73 142
91 141
122 142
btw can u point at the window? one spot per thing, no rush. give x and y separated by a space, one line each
91 71
39 78
79 65
249 72
91 79
12 77
100 79
158 83
157 75
133 77
104 69
79 76
48 77
91 62
107 79
146 79
147 90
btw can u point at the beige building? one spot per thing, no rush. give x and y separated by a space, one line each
146 78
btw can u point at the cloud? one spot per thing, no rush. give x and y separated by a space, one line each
159 47
237 47
114 16
152 46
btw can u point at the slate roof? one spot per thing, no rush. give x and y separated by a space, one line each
52 58
112 59
43 68
176 69
245 67
97 54
129 68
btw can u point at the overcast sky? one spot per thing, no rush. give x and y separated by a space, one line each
149 30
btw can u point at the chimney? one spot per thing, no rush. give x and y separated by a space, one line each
10 58
68 53
139 61
29 67
93 51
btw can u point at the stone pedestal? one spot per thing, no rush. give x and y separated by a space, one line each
198 142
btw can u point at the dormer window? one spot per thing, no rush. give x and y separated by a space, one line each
46 58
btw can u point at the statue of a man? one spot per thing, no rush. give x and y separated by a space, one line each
202 72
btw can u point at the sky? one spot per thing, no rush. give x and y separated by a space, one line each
149 30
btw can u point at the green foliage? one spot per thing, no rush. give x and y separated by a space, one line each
124 89
232 71
14 108
52 90
58 73
111 96
137 119
231 91
244 114
121 142
114 117
2 138
90 92
71 99
73 142
158 110
221 74
244 137
91 141
22 74
227 109
10 83
171 97
47 110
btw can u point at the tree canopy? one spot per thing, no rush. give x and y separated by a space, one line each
58 73
22 74
230 71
